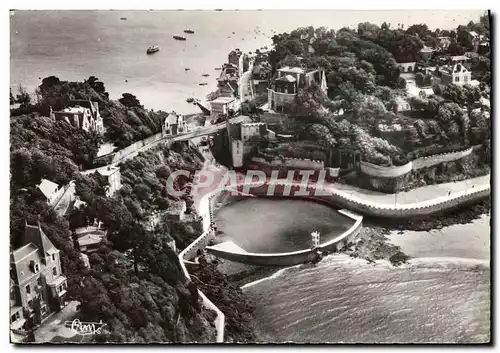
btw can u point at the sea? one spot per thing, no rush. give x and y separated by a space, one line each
75 44
441 296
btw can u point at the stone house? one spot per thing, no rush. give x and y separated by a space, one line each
286 86
457 75
36 276
174 124
90 237
81 114
51 191
113 177
222 106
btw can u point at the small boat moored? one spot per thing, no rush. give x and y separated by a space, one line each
153 49
189 31
203 84
190 100
187 69
179 38
123 18
205 75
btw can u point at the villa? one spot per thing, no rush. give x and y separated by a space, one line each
81 114
286 86
174 124
38 286
51 191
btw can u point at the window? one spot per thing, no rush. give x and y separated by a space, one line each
466 79
15 317
54 271
28 289
30 303
36 268
53 257
39 281
457 79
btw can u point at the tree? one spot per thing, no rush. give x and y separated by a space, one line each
23 97
129 100
419 79
11 99
50 81
401 83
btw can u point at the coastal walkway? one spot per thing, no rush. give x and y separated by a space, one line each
422 201
425 195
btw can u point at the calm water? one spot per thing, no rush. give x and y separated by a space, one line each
76 44
269 225
442 299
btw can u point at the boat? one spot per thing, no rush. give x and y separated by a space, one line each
190 100
153 49
123 18
179 38
190 31
203 84
217 68
187 69
205 75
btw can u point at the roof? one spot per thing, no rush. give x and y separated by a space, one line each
287 78
459 57
47 187
36 245
474 34
89 229
223 100
35 235
295 70
90 239
19 254
172 118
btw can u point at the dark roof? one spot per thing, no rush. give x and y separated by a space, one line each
35 235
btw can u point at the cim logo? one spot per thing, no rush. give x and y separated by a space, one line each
86 328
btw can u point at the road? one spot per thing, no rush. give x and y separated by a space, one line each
211 129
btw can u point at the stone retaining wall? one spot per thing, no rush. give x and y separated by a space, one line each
370 208
423 162
115 157
190 252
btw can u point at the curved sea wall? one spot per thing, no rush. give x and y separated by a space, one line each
385 172
295 257
368 207
423 162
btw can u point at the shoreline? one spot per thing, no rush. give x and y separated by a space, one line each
374 246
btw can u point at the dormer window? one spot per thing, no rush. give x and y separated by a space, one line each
53 257
36 267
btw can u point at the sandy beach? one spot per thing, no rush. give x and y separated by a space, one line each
470 241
